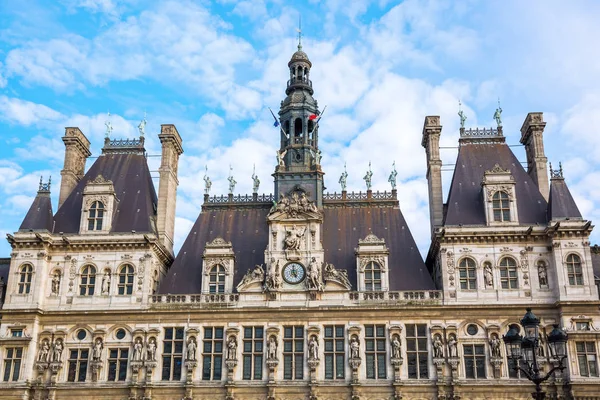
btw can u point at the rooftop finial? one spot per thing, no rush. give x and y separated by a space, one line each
498 114
299 29
461 114
142 125
109 127
556 173
45 187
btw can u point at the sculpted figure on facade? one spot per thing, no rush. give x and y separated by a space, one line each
314 275
255 183
280 156
97 350
44 352
137 350
368 176
313 348
354 348
256 274
232 348
151 350
438 347
56 277
57 350
495 346
191 349
294 238
452 347
396 347
488 275
105 287
272 348
343 178
294 203
207 182
393 175
542 274
338 275
273 280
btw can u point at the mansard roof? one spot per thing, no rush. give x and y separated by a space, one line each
561 204
39 216
135 208
342 227
465 200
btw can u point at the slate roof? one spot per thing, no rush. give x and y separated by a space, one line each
4 267
561 204
39 216
247 230
136 205
595 252
465 201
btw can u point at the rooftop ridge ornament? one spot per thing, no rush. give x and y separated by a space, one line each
343 177
207 182
45 187
255 180
368 177
462 116
109 127
556 173
498 115
393 175
142 125
231 180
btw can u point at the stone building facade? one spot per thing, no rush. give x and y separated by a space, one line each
301 294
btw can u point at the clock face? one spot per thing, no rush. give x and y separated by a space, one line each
293 273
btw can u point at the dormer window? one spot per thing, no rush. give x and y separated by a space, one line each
95 216
501 206
218 265
216 281
372 264
574 270
373 276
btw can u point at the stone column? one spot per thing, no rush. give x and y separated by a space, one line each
532 136
77 150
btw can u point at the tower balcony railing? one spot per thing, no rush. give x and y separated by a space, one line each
299 81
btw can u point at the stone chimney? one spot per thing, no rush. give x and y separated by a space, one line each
431 141
168 182
532 137
77 150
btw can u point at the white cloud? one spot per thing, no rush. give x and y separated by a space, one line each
23 112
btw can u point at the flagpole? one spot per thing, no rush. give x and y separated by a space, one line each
278 123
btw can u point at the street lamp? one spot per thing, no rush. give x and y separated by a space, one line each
523 350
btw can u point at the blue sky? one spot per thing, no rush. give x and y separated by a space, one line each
213 68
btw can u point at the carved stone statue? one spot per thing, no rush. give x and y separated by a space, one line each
257 274
343 179
354 347
232 348
137 350
109 127
498 114
56 283
151 350
438 347
295 202
495 346
191 349
294 238
273 280
462 116
272 348
280 156
255 183
393 175
57 350
314 275
339 275
207 182
44 352
488 275
142 126
396 347
97 350
105 288
368 177
313 348
452 347
543 275
232 181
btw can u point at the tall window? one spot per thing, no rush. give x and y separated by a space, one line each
172 354
212 354
253 353
574 269
88 281
293 352
12 363
373 276
78 363
375 351
117 364
508 273
125 285
216 281
416 351
474 355
501 206
95 216
334 352
467 271
25 275
586 356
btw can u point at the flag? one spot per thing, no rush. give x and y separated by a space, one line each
312 117
276 123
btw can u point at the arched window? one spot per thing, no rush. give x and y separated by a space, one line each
508 273
125 285
373 276
501 206
298 127
88 281
467 270
25 275
216 282
95 216
574 270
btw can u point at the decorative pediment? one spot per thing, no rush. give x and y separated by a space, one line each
497 169
294 205
218 242
101 180
371 239
253 276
